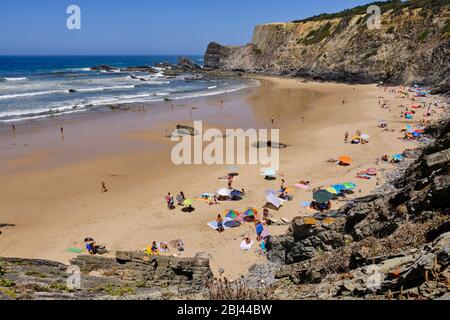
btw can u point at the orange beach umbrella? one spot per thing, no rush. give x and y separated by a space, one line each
345 159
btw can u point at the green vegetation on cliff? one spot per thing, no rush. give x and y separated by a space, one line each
395 5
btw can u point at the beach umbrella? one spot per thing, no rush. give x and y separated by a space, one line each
416 134
224 192
332 190
322 196
250 212
408 116
372 171
345 160
187 202
232 224
338 187
236 193
232 214
269 172
364 136
398 157
349 185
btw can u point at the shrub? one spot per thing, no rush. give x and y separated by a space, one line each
317 35
219 289
6 283
446 29
422 36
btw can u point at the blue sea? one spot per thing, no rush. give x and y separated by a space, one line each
38 87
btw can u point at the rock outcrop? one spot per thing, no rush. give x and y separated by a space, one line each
412 46
130 275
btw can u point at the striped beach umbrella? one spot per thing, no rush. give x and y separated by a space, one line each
232 214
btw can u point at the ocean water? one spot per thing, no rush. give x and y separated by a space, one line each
38 87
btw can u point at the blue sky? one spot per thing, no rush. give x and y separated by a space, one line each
144 26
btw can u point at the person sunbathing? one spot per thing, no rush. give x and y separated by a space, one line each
246 243
93 248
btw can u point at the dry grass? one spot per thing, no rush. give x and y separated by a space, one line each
219 289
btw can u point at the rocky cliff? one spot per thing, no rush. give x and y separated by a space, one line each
130 275
413 45
392 244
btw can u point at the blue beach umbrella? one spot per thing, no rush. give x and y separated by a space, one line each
269 172
338 187
398 157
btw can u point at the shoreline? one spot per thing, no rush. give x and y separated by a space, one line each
321 136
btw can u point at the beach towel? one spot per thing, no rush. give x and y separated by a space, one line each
305 204
74 250
213 224
277 202
301 186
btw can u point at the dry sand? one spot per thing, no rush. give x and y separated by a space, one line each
50 187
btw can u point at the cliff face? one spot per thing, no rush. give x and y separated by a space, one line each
413 45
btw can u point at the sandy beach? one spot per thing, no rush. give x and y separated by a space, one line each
50 184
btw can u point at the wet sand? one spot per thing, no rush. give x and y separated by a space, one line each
50 185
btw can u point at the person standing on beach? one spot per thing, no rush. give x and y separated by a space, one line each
230 181
103 185
346 137
272 119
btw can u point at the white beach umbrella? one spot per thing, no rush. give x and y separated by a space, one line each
224 192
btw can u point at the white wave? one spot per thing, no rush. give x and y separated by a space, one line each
105 88
212 87
15 79
30 94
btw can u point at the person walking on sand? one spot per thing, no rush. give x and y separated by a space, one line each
62 130
346 137
103 185
272 119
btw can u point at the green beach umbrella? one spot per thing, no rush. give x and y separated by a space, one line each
322 196
187 202
349 185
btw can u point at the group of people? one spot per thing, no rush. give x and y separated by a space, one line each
93 248
170 201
